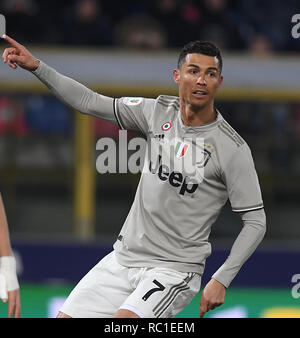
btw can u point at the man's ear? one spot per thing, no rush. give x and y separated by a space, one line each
221 80
176 75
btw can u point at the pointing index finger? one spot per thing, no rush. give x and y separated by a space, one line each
11 41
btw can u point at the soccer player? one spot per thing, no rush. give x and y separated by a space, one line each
9 286
159 256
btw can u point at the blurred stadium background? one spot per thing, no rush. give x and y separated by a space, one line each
64 216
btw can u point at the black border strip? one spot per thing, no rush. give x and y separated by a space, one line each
248 209
116 116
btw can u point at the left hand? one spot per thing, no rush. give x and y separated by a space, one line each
212 296
9 286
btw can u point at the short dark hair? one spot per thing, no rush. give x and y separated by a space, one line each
200 47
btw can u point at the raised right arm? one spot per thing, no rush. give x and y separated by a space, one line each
75 94
64 88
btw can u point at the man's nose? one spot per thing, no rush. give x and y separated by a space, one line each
201 80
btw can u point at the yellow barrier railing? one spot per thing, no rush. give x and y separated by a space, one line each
84 183
234 94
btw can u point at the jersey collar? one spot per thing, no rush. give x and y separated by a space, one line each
204 127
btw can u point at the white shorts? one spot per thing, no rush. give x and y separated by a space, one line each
148 292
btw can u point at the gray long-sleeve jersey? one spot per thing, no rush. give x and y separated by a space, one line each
172 214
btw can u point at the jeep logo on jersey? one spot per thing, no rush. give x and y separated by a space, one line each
166 126
175 178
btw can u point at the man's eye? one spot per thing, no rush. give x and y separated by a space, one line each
212 74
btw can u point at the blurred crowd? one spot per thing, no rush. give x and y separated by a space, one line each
255 26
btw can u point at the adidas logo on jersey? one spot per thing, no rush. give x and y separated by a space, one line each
159 137
175 178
